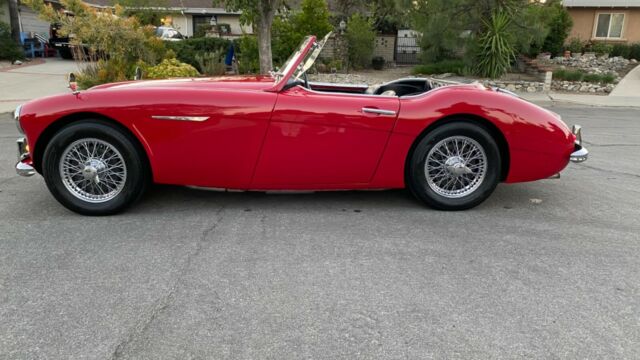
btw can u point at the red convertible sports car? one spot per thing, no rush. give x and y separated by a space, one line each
99 149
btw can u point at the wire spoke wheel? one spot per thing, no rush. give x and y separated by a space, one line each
93 170
455 166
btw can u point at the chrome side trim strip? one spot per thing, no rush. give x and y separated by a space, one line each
181 118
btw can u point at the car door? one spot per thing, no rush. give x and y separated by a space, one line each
324 140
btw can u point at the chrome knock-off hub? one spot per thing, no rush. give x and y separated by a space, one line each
93 170
455 166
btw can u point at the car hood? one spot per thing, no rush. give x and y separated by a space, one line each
260 82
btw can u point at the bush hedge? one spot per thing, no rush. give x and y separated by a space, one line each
9 50
579 75
187 49
627 51
446 66
171 68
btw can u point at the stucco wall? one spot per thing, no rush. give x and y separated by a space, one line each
584 20
385 47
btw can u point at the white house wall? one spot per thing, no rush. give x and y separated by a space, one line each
183 24
234 23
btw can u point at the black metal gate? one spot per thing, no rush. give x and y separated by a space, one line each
407 49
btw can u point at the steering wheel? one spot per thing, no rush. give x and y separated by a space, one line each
306 80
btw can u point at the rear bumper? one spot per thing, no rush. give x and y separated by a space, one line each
24 166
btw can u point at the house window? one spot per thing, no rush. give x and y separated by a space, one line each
202 24
609 25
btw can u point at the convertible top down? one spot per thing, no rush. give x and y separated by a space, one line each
449 144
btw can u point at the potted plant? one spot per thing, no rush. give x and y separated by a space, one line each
378 62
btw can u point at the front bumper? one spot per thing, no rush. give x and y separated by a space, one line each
580 153
24 166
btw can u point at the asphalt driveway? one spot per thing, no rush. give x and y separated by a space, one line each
549 269
30 82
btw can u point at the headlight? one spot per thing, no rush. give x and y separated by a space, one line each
16 117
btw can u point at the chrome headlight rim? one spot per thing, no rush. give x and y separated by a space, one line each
16 117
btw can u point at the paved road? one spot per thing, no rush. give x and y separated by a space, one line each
31 82
358 275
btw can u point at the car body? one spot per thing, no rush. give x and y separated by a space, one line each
279 132
168 33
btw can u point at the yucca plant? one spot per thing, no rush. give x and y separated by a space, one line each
496 48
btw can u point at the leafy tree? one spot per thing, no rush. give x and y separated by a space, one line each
260 13
313 19
288 31
455 28
559 28
360 37
148 12
117 43
388 15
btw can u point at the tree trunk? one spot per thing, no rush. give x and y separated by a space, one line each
264 36
14 20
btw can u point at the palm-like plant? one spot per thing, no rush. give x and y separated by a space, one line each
496 46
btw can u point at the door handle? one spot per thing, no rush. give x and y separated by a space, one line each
378 111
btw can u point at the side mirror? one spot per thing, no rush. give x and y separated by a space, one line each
138 74
73 85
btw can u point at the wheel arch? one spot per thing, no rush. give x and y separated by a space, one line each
493 130
48 133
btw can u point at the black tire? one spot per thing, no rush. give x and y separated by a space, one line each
480 191
137 174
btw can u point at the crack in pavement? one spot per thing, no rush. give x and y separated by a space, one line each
164 302
610 145
608 171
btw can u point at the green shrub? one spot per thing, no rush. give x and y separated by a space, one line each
171 68
247 55
559 27
9 50
621 50
211 63
288 31
446 66
601 48
378 62
599 78
575 45
579 75
634 51
360 37
568 75
496 47
187 50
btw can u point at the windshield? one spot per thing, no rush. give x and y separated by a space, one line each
311 57
291 61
